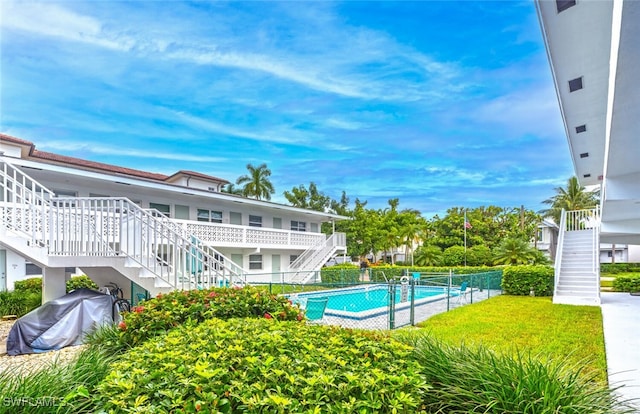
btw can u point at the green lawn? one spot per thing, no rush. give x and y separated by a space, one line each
508 324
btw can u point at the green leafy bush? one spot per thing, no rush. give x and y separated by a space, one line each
630 283
619 267
340 274
19 302
82 281
33 285
476 380
520 280
260 365
156 316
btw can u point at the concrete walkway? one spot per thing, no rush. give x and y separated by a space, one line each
621 320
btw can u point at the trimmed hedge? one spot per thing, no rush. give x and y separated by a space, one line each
520 280
264 366
619 267
629 283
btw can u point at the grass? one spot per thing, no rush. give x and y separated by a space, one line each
515 324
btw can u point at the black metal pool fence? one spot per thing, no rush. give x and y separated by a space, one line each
389 303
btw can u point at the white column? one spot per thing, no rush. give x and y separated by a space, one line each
53 283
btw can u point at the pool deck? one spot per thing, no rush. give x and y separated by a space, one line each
402 317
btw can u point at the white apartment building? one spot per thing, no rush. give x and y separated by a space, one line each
161 232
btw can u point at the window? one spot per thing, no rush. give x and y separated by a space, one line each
298 225
162 208
181 212
581 129
277 223
255 221
255 262
235 218
584 155
563 5
210 216
293 258
314 227
575 84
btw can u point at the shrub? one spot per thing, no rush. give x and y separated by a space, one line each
466 380
520 280
156 316
619 267
630 283
79 282
453 256
33 285
339 274
260 365
19 302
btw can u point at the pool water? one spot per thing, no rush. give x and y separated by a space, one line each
370 298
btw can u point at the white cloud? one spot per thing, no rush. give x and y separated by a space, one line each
67 146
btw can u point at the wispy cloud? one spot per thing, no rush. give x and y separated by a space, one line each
69 146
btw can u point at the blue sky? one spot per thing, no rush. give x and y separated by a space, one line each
439 104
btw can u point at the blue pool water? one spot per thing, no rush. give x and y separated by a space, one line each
373 297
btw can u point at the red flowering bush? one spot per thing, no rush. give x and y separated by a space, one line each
156 316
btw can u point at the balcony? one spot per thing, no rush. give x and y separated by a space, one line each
230 235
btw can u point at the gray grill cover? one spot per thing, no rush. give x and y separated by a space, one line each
60 322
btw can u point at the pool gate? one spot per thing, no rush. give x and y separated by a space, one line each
391 303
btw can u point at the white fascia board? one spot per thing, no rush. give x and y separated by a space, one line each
141 182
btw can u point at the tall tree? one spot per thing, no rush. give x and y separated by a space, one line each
256 184
311 199
573 197
231 189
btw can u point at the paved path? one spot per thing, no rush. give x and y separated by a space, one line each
621 321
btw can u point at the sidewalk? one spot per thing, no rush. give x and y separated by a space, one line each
621 320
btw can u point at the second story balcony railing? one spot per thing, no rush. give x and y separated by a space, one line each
229 235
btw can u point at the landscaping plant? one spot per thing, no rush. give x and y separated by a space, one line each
156 316
264 365
79 282
476 380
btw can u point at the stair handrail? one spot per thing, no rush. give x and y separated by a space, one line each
153 243
315 257
222 260
562 228
595 242
19 208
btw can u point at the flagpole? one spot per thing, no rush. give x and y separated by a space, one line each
465 237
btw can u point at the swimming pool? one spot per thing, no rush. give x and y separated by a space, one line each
371 300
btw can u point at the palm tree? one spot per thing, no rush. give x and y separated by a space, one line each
428 255
573 197
514 251
256 184
231 189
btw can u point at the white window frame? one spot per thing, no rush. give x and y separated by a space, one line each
255 221
298 225
212 216
255 262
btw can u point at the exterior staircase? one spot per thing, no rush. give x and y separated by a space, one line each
315 257
577 269
105 235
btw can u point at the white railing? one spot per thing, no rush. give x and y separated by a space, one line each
23 203
108 227
178 227
244 236
559 251
155 244
313 258
577 220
